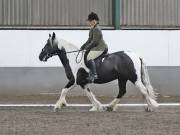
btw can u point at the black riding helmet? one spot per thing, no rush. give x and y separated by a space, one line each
93 16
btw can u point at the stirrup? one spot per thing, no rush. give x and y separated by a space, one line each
95 76
92 78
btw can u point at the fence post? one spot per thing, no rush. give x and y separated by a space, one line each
116 14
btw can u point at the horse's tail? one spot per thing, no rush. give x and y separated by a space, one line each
146 81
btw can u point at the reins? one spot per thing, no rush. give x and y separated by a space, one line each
74 51
82 54
76 55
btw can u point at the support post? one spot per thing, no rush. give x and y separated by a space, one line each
116 14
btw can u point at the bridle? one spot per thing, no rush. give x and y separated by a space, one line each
53 54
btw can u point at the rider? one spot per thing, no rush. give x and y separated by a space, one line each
94 46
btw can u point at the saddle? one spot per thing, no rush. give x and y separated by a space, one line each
99 59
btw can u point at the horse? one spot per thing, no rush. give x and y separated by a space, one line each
121 66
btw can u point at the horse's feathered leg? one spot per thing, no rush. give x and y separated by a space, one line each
62 100
144 84
69 74
143 90
146 81
150 101
122 91
96 104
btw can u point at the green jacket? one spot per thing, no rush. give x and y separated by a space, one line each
95 41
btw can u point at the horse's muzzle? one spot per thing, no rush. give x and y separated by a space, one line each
43 56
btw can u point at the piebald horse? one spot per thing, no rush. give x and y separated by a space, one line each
122 65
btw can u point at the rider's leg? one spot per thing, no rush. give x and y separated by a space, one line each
91 63
92 72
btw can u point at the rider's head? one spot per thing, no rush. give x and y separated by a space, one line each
92 20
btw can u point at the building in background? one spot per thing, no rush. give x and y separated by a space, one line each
71 14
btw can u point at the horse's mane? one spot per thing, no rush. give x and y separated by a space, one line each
67 45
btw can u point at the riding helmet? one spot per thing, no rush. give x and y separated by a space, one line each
93 16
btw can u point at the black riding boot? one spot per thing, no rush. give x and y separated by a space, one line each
92 72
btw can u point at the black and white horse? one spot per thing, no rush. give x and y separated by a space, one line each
121 65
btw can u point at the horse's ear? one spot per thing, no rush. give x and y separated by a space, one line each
49 35
53 36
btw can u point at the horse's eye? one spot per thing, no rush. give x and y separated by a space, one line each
49 55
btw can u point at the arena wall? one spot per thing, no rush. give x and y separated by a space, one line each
21 72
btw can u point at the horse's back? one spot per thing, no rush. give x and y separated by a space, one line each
120 57
118 65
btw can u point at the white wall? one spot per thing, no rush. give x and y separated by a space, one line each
21 48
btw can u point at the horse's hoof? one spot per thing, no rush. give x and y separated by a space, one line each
148 109
63 105
56 109
60 105
93 109
103 109
109 108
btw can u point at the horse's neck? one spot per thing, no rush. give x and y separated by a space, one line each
67 45
71 56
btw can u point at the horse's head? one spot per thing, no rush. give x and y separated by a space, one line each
50 49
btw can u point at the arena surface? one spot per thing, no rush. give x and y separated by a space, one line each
78 121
